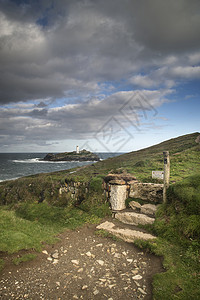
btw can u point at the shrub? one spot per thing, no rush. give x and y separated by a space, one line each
96 185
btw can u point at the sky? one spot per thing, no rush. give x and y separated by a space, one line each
107 75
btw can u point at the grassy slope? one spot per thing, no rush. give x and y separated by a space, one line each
177 227
177 224
184 157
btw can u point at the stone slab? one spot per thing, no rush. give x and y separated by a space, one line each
152 192
149 209
135 205
128 235
133 218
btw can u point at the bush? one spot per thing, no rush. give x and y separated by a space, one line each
96 185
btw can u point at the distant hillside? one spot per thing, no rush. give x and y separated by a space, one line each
184 159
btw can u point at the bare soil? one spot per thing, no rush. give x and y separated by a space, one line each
81 265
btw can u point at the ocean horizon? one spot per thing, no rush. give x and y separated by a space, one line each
16 165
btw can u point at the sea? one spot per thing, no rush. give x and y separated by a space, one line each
16 165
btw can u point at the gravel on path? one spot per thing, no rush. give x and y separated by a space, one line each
85 266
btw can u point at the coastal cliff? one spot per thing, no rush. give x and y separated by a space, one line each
83 155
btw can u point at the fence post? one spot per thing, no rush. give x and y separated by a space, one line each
166 174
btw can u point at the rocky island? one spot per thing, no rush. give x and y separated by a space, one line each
82 155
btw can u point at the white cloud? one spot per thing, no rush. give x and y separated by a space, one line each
194 58
186 72
143 81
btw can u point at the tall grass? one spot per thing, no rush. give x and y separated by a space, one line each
177 226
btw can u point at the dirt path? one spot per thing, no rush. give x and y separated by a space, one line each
82 266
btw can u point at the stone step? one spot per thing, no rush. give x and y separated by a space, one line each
128 235
148 209
134 218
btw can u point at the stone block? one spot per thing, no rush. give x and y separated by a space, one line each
128 235
117 182
133 218
118 197
135 205
149 209
152 192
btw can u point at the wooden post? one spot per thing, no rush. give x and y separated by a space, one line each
166 174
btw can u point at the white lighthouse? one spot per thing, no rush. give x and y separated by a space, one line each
77 149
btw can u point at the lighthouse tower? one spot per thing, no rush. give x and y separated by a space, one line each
77 149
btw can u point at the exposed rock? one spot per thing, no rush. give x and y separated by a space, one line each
142 291
49 258
137 277
133 218
100 262
74 261
149 209
152 192
55 255
99 245
55 261
89 254
96 292
83 155
80 270
84 287
134 205
127 235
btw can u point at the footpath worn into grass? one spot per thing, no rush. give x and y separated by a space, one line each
82 265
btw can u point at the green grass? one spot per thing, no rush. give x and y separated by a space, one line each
24 258
29 225
177 226
181 279
18 233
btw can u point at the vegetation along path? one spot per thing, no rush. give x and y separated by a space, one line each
83 265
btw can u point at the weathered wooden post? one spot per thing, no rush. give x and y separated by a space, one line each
166 174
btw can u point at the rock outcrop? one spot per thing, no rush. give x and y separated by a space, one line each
83 155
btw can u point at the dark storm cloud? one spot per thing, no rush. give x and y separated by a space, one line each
82 43
167 26
63 52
